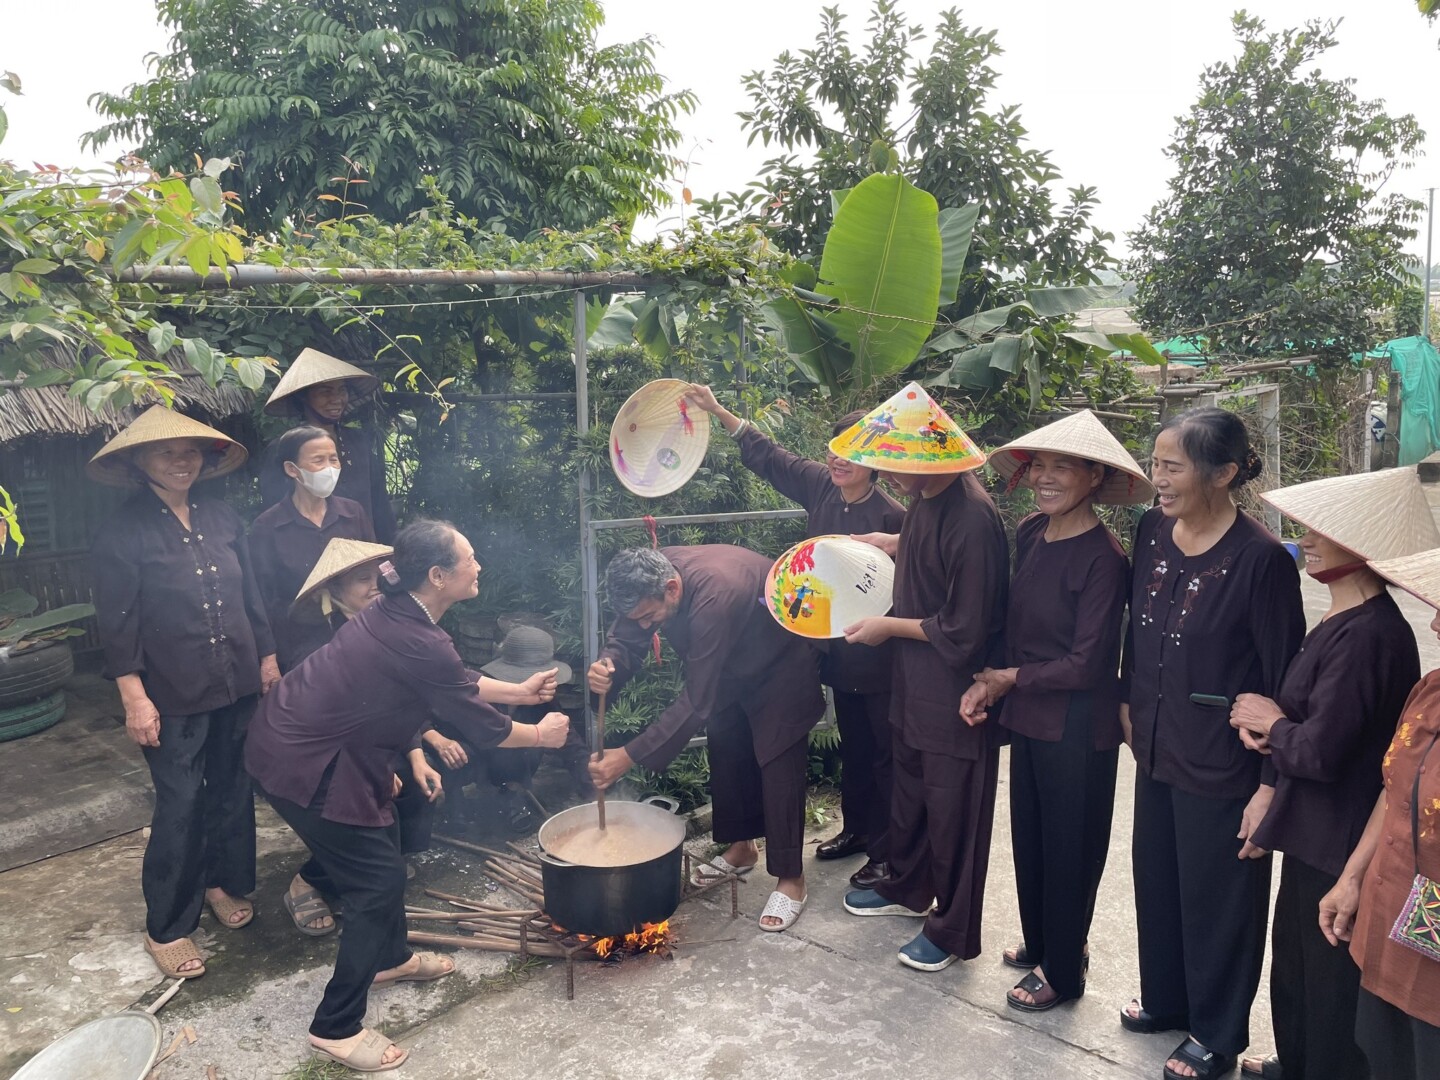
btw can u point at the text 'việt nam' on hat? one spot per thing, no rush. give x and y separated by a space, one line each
910 433
1080 435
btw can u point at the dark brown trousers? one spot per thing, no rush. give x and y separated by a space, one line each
941 812
753 800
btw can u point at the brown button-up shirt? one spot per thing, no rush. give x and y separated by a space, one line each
180 608
951 571
735 653
1062 631
1399 975
362 479
285 546
855 669
361 702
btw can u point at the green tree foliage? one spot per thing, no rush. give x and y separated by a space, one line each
520 117
1277 232
838 113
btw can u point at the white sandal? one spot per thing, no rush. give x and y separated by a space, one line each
781 907
717 868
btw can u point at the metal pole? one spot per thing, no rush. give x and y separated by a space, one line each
589 605
696 519
247 275
1429 238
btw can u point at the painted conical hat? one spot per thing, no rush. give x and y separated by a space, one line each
111 465
1418 574
340 555
1379 515
908 434
310 368
1081 435
658 440
826 583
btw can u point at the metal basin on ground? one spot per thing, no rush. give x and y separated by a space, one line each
120 1047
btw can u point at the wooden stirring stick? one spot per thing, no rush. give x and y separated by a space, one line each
600 756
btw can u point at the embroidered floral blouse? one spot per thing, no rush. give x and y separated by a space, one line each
1400 975
1222 623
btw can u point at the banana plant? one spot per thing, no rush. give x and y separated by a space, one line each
21 629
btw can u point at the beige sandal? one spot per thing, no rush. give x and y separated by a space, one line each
368 1055
432 966
227 906
169 956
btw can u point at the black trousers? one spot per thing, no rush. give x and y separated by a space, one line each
1062 797
1200 912
365 869
414 813
942 811
865 768
753 800
1399 1046
202 834
1313 986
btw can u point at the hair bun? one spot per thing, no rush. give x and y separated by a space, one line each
1254 466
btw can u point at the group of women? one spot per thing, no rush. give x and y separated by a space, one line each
1249 736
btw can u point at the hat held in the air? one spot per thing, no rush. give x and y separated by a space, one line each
1080 435
113 464
908 434
1377 515
311 368
340 556
524 651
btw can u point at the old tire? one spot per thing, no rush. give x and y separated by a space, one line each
35 673
36 716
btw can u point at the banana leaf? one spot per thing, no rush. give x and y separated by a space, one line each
46 620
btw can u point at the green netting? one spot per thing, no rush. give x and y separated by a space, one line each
1417 363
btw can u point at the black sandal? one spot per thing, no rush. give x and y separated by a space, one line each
1032 984
1144 1023
1017 957
1206 1063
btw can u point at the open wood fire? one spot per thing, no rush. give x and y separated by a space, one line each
655 938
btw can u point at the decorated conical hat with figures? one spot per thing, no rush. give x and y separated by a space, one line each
908 434
826 583
656 441
1377 515
1080 435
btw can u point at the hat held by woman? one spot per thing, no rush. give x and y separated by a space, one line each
311 368
113 464
525 651
1080 435
908 434
340 556
1378 515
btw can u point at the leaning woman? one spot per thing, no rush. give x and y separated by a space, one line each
189 647
1324 734
287 540
1215 612
323 749
839 497
1386 900
1061 688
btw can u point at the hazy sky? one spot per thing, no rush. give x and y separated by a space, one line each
1098 84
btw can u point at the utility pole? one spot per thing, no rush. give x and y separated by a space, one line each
1429 240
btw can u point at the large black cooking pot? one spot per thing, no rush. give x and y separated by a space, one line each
606 901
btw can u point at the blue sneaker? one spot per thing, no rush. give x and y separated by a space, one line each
923 955
870 902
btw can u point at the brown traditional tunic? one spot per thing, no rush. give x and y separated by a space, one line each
1390 971
1224 622
362 479
1342 697
1062 631
180 608
854 669
735 654
358 704
285 546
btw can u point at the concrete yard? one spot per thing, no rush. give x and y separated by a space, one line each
827 999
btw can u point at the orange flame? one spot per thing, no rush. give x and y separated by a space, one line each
651 937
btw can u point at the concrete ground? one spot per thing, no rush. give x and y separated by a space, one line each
825 1000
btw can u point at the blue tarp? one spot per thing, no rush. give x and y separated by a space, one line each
1417 364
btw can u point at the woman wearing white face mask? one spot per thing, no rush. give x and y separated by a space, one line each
286 541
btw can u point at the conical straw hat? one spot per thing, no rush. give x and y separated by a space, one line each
310 368
1081 435
1379 515
339 556
656 443
1419 574
111 464
824 584
908 434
